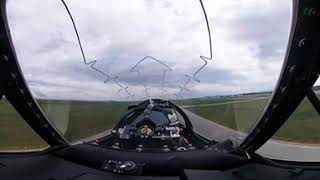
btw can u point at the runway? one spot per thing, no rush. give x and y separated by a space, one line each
272 149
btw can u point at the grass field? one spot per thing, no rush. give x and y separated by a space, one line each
303 126
239 116
82 119
85 118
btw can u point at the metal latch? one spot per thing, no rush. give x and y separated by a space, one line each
122 167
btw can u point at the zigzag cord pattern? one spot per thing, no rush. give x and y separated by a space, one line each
126 88
94 62
203 58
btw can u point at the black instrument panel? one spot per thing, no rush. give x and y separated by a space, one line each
154 125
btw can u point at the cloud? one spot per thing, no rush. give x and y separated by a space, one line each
249 41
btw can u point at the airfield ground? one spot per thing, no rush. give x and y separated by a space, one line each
88 118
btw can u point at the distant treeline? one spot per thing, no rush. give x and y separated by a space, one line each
256 93
224 97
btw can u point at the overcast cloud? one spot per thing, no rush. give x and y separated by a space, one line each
249 40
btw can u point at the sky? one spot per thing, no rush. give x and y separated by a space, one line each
249 40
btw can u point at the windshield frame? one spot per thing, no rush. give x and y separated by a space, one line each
18 93
15 89
296 76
